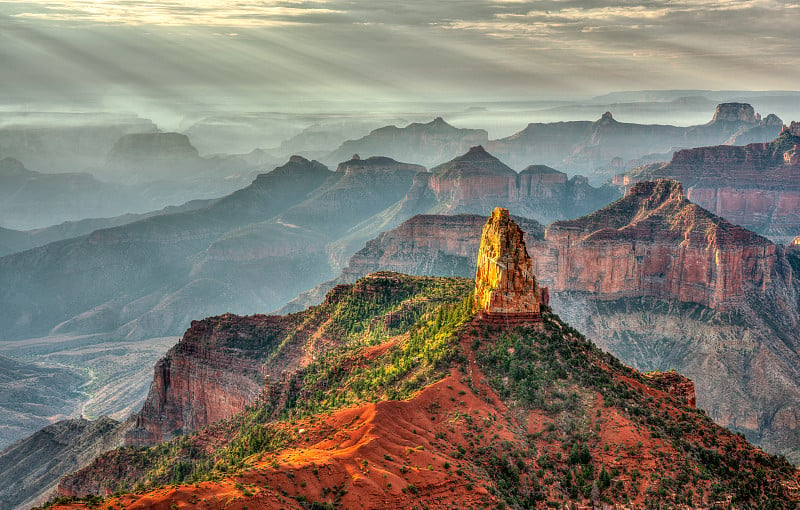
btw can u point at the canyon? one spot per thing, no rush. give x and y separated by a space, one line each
333 418
654 279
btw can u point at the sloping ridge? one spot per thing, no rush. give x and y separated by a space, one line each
476 162
498 423
660 206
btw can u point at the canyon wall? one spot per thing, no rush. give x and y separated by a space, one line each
754 185
210 375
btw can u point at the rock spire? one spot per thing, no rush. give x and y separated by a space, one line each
504 281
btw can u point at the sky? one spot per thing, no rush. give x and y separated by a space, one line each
279 52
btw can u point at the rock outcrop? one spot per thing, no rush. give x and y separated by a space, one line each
755 185
735 112
674 384
427 244
504 280
153 155
655 242
214 372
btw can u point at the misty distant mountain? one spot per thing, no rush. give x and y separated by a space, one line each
135 173
251 251
167 169
12 241
424 144
316 140
598 149
31 199
585 147
65 142
125 272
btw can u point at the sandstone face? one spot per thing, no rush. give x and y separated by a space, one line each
426 244
210 375
654 242
755 185
504 282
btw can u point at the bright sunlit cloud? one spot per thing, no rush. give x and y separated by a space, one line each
394 48
174 12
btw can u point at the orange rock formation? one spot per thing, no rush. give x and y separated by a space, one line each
504 282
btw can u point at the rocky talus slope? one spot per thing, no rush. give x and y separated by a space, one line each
31 468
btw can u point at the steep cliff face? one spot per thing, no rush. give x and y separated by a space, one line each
735 112
68 196
210 375
654 242
504 281
754 185
163 156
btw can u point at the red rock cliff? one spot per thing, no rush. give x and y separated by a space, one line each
654 242
210 375
755 185
504 280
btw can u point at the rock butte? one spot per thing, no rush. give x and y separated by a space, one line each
504 280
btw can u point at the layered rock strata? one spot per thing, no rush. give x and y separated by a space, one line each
504 280
477 182
754 185
211 374
655 242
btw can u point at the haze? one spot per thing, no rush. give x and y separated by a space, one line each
165 56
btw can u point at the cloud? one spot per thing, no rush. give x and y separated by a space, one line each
174 12
475 48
